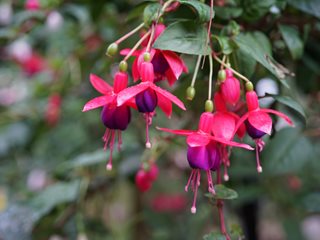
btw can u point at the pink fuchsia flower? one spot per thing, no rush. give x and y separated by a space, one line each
148 96
33 64
32 5
169 203
203 152
115 118
145 178
167 64
258 122
230 88
53 110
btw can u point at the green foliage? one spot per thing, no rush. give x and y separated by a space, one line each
222 192
293 41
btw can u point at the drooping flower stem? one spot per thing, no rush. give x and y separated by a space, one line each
195 73
210 22
210 77
153 27
220 210
129 34
223 60
227 66
136 46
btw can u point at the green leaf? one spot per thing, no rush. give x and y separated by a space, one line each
258 47
228 12
309 6
202 9
289 102
226 45
214 236
311 202
255 9
23 16
52 196
223 192
80 13
243 62
151 13
288 152
184 37
292 40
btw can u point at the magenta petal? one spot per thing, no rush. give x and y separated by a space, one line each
198 139
280 114
241 121
98 102
260 121
100 85
174 61
170 77
231 143
124 52
177 132
165 105
128 93
169 96
223 125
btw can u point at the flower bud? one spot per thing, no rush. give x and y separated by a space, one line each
112 49
252 100
221 75
123 66
209 106
191 92
230 89
249 86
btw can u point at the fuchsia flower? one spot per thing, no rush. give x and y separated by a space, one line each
148 96
145 178
32 5
115 118
53 110
258 122
166 64
230 88
33 64
203 152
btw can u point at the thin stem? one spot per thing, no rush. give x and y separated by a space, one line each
129 33
223 60
151 38
234 71
136 46
210 77
195 73
210 22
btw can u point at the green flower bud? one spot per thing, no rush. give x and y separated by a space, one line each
249 86
147 57
208 106
112 49
123 66
191 92
222 75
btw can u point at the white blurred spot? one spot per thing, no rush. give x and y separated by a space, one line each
37 179
20 50
5 13
54 21
274 9
311 227
266 85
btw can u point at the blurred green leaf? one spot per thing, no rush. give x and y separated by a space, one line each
214 236
226 45
293 40
79 12
151 13
309 6
311 202
202 9
255 9
228 12
289 102
222 192
23 16
257 46
288 152
52 196
184 37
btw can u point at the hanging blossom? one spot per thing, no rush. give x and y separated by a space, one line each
204 152
148 96
257 121
115 118
166 64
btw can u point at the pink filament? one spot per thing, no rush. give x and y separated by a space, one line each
259 147
148 118
189 180
210 182
119 140
196 184
111 145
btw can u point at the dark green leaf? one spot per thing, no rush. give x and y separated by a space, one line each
288 152
243 62
203 10
293 40
257 46
151 13
309 6
223 192
80 13
254 10
52 196
184 37
289 102
23 16
228 12
226 46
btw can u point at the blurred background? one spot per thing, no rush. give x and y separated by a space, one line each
53 182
